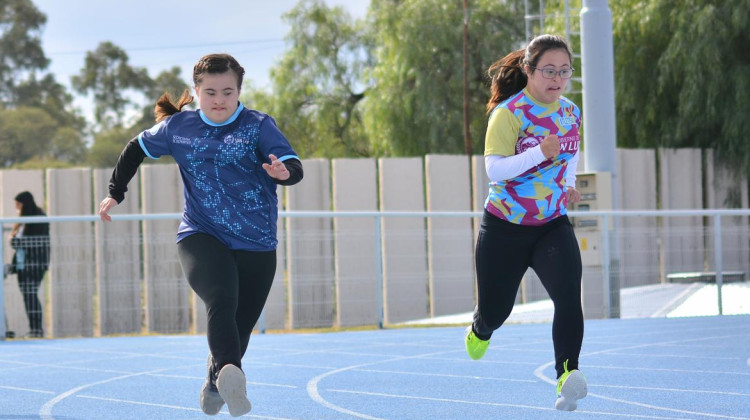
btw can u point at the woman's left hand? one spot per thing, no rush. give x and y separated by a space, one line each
276 169
573 195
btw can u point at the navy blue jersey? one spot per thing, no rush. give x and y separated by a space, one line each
228 194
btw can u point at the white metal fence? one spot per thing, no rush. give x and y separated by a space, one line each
339 269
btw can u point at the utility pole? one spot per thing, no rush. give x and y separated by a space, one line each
467 137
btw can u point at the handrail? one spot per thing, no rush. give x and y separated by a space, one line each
334 213
379 215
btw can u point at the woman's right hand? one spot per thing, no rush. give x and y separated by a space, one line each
104 208
551 146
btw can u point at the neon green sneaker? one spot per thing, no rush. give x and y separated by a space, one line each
474 346
571 387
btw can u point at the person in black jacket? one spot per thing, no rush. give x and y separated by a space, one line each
31 258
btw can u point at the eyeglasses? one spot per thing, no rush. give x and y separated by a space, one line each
551 73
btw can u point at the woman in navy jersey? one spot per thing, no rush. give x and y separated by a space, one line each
231 159
531 155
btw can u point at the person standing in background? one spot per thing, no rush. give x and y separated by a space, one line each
531 156
30 259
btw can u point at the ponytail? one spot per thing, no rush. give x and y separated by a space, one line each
507 77
164 106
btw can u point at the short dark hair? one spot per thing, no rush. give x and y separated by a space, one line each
208 64
217 64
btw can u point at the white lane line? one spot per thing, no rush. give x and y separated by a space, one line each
692 391
673 356
491 378
445 375
313 392
711 372
539 373
202 378
46 411
15 388
495 404
176 407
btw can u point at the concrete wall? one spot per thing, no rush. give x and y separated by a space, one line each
72 260
638 237
681 187
276 309
125 277
450 249
404 250
310 249
727 191
355 189
168 305
119 278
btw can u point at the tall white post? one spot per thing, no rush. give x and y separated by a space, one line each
598 88
600 135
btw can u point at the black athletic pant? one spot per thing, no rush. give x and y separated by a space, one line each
29 280
233 285
504 252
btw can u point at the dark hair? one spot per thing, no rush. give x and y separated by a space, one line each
208 64
28 205
507 75
217 64
164 106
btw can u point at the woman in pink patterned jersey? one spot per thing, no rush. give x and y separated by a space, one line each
531 154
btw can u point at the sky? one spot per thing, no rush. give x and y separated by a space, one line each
161 34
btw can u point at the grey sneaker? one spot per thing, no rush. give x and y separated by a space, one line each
571 387
211 401
232 388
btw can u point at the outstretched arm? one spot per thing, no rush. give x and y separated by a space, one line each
127 165
288 172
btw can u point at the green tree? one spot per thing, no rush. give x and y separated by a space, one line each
318 85
682 75
68 146
109 141
169 81
67 143
46 93
108 144
24 132
109 77
416 104
21 50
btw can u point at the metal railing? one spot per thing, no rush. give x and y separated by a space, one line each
607 235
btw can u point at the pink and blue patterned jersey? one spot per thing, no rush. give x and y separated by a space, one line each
538 195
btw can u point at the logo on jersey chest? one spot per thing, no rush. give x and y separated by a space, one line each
565 121
526 143
232 139
181 140
569 143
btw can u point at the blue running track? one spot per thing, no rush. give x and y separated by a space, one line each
658 368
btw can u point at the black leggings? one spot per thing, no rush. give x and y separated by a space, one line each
504 252
29 280
233 285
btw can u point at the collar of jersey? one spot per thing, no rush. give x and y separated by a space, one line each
229 120
553 106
